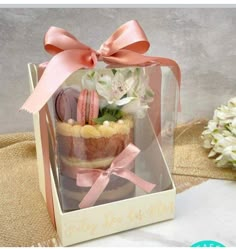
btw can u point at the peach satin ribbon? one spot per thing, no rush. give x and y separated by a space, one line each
98 179
124 47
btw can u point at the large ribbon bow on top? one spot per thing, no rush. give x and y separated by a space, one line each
124 47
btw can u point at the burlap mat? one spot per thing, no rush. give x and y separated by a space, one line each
24 220
191 159
23 216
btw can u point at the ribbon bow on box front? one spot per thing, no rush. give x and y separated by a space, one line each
124 47
98 179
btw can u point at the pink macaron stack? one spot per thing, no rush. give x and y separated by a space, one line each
87 107
83 107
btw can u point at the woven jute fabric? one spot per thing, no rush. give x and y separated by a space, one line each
191 159
24 220
183 183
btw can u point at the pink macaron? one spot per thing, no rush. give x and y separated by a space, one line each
66 103
87 107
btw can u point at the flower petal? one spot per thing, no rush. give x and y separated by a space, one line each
124 101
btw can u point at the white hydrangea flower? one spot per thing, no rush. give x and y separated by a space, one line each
212 125
223 143
232 102
220 135
228 156
207 143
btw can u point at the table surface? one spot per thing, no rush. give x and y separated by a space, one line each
203 212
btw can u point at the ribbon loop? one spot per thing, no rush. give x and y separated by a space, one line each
125 158
129 36
57 40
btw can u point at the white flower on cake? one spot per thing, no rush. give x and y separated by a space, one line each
125 88
141 89
114 88
109 86
220 135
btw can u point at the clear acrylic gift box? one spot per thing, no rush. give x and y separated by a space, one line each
133 105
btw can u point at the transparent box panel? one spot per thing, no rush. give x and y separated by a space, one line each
169 109
97 113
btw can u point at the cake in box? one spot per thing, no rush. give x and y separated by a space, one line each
95 121
98 130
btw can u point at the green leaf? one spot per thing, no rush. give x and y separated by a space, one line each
119 115
137 70
109 114
114 71
128 74
149 93
105 117
102 82
227 127
91 75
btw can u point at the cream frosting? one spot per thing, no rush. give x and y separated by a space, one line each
95 131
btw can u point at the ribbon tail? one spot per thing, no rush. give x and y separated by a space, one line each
125 158
41 68
141 183
176 71
96 190
57 71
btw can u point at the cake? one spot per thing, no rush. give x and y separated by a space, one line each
94 124
84 144
92 147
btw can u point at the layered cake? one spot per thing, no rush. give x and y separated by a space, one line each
94 124
83 143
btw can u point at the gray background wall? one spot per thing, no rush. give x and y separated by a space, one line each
202 41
